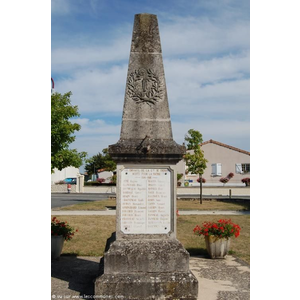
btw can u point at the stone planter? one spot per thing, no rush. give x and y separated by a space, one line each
57 243
217 247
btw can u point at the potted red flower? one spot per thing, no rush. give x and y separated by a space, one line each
100 180
203 180
217 236
246 181
60 232
224 179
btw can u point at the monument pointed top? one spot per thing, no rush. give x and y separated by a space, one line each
145 36
146 130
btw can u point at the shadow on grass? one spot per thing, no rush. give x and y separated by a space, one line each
111 207
78 272
244 203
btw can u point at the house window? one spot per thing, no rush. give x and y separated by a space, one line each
216 169
242 168
246 168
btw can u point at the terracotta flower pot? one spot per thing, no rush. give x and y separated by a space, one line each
217 247
57 243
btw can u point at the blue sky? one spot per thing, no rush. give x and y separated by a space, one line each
206 54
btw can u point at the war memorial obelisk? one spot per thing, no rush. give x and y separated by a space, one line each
146 261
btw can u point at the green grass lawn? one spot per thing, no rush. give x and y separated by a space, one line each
92 205
93 231
181 205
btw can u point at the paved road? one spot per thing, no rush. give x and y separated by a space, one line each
61 200
111 212
196 196
65 199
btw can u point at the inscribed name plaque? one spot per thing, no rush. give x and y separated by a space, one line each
145 201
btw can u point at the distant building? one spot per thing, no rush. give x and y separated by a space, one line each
107 175
222 160
69 172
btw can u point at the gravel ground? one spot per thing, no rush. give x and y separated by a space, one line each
219 279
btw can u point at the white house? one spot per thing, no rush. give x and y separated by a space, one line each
107 175
223 161
64 173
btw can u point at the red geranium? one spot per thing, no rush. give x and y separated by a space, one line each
203 180
62 228
223 229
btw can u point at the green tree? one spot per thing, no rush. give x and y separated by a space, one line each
100 161
62 133
195 160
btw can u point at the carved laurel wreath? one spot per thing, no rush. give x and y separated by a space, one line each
143 86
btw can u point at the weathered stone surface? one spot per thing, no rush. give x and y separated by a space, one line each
156 286
146 261
146 132
147 149
145 36
130 257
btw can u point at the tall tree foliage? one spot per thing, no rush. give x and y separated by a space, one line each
100 161
195 160
62 133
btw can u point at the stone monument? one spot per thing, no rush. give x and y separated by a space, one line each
146 261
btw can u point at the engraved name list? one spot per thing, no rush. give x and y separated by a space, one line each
146 201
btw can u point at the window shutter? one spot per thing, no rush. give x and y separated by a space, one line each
238 168
214 169
219 169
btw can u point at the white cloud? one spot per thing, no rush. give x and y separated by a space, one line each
206 61
93 144
95 135
96 127
202 36
184 36
73 58
192 94
193 86
97 91
232 132
212 70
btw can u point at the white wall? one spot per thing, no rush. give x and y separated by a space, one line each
106 175
64 173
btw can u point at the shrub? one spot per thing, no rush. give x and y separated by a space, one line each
246 180
179 176
96 183
60 182
113 179
100 180
203 180
224 179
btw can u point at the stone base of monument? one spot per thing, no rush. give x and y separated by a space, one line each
147 286
146 269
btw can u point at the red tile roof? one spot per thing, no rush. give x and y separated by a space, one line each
226 146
